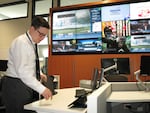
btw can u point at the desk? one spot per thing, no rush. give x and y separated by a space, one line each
97 102
129 97
59 103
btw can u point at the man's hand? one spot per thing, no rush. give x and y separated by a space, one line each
47 94
43 77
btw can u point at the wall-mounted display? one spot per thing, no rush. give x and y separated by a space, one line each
101 28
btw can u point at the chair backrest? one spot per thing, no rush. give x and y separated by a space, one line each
50 84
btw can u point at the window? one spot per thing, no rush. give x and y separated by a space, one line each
42 7
11 11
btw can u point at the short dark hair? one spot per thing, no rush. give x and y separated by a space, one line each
39 21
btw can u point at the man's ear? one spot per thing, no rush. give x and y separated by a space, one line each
32 28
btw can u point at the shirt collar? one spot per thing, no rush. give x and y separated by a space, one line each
30 38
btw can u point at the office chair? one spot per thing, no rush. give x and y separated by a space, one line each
50 84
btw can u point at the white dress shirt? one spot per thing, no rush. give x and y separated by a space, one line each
21 62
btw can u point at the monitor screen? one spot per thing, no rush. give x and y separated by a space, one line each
140 27
145 65
94 81
140 10
115 12
76 31
123 65
3 65
101 77
101 28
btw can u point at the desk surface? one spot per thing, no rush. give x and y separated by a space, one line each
129 96
59 103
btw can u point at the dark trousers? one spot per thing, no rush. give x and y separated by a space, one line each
15 95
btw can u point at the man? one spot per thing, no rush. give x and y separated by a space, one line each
20 83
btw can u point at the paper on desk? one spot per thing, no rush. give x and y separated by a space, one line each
45 102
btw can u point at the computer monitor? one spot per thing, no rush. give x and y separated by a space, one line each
3 65
123 65
44 68
107 62
94 81
144 65
101 77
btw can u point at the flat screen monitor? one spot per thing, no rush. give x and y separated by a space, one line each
76 31
123 65
145 65
101 77
140 10
3 65
94 81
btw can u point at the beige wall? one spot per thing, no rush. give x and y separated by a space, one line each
10 29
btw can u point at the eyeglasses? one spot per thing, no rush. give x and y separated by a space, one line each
41 34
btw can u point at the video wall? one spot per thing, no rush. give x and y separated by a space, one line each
123 28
